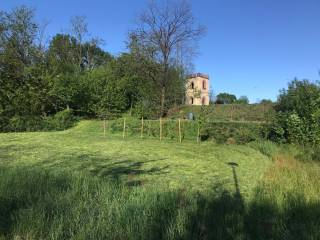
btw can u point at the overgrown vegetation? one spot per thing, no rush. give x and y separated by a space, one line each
219 132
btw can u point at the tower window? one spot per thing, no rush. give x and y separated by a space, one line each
192 85
204 86
191 100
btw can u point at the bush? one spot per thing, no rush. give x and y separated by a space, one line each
239 131
61 120
25 123
276 129
298 109
309 153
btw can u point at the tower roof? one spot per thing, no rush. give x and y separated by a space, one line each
194 75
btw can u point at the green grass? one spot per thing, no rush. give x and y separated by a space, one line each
78 184
85 149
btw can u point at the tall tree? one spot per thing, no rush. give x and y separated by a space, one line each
167 29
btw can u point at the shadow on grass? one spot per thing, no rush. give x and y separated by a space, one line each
45 198
115 168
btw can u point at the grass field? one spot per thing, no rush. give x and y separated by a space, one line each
78 184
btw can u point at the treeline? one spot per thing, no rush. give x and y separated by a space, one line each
73 72
227 98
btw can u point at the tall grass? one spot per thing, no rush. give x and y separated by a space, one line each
36 204
267 148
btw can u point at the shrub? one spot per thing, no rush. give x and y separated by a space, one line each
275 131
25 123
241 132
61 120
309 153
298 110
296 129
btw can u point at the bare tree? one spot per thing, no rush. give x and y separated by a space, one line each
79 29
169 29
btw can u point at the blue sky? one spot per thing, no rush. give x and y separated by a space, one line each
252 47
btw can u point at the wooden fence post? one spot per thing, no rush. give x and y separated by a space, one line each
141 127
124 128
180 130
160 129
149 125
198 135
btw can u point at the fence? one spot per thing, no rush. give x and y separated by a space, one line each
181 129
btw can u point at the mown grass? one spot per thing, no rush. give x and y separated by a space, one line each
78 184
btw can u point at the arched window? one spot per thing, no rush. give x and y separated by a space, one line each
204 86
203 101
192 85
191 100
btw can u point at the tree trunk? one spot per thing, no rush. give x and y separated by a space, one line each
164 83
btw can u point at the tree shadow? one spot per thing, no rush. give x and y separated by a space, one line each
225 215
218 215
121 169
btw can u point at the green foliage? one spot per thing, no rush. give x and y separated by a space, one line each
225 98
27 123
298 110
62 120
240 132
218 132
242 100
296 129
309 153
228 112
301 97
74 74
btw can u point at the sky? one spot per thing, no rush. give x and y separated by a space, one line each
252 47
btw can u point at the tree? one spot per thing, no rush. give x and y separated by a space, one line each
298 112
302 97
225 98
266 101
79 30
243 100
167 29
18 31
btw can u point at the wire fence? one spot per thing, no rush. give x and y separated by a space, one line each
182 129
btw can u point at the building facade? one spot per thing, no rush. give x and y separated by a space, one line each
197 89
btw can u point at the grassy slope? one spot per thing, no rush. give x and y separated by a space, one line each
155 195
